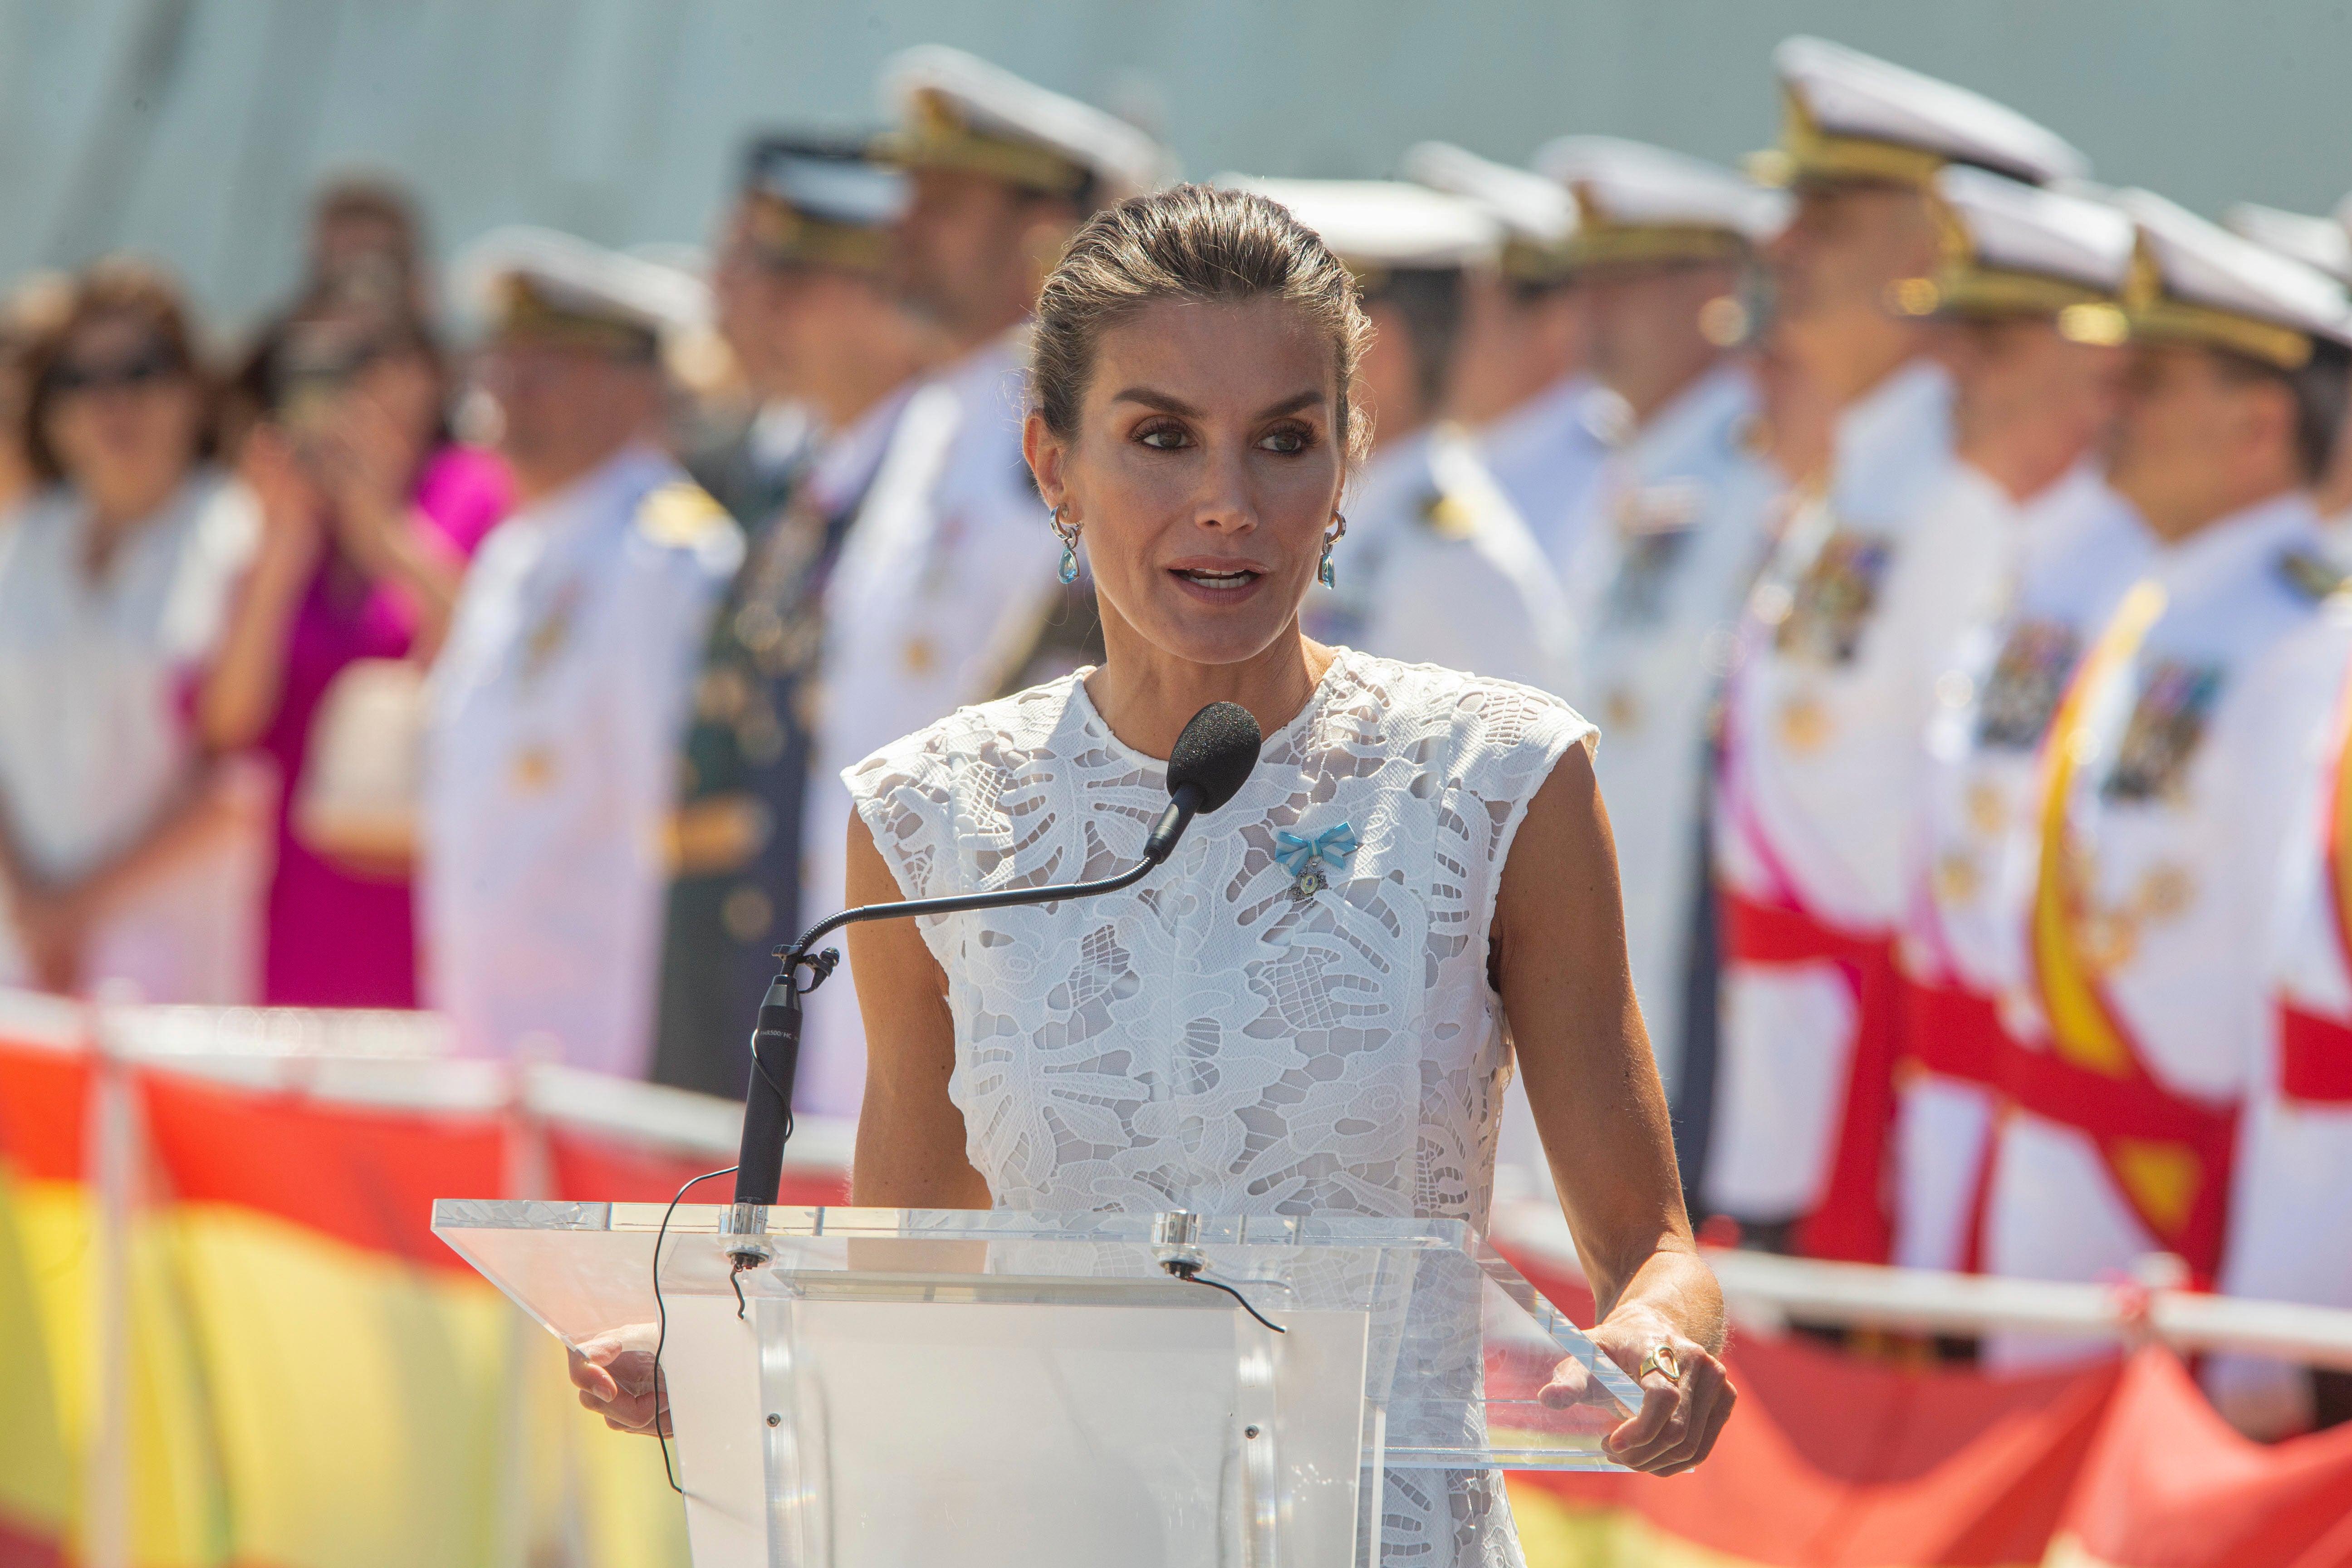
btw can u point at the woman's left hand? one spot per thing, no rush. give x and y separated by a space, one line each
1680 1417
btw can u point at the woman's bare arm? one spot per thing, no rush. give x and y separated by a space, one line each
1584 1057
910 1136
240 698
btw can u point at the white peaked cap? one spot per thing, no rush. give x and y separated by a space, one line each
1855 116
958 109
576 279
1634 185
1529 207
2012 226
2193 280
1385 222
2325 243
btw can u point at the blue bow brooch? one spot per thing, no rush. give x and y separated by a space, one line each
1305 858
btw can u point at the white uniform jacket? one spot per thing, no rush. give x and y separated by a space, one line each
2290 1235
1682 526
1550 455
2175 760
1823 714
2071 553
1439 568
550 762
941 588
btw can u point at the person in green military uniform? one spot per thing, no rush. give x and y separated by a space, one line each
804 299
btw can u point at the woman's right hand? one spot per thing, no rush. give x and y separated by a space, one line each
616 1377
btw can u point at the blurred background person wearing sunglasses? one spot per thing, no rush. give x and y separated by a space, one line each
128 855
370 512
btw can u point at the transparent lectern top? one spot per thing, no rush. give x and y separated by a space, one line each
1457 1342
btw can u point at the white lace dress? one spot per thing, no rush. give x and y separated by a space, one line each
1213 1039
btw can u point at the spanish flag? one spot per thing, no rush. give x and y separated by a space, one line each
1836 1461
314 1380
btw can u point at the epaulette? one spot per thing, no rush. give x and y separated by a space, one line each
681 514
2310 574
1448 516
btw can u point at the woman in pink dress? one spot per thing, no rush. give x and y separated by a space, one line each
370 512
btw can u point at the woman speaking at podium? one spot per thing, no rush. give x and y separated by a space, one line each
1314 1006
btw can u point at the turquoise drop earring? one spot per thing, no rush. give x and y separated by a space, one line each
1323 571
1069 534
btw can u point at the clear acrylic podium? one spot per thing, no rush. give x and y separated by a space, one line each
919 1386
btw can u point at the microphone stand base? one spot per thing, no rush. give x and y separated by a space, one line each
749 1224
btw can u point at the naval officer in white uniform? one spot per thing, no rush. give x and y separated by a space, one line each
1523 382
2290 1231
1436 565
2029 539
1680 522
2173 765
1827 696
557 703
948 577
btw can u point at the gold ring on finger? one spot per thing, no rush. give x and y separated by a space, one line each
1661 1359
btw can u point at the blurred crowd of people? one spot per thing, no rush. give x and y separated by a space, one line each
1947 546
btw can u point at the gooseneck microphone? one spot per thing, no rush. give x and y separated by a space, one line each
1211 762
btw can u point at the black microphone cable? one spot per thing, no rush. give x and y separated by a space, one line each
661 1316
1191 1274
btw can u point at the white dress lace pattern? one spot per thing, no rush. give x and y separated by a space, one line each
1213 1039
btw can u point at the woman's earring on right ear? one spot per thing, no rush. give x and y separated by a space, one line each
1069 534
1323 571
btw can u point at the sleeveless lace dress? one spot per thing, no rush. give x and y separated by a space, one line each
1213 1039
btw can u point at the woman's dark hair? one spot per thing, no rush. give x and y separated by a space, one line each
1194 243
336 334
101 292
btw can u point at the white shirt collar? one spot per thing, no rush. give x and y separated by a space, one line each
1395 466
1721 387
636 467
2221 549
779 432
1911 394
1576 402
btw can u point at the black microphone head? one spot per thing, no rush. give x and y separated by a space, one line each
1215 753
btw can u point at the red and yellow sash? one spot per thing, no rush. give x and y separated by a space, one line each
2169 1154
2314 1051
1851 1224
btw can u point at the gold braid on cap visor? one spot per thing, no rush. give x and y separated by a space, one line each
783 236
1602 244
1807 153
938 136
1964 286
2157 317
2083 313
526 313
1526 261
